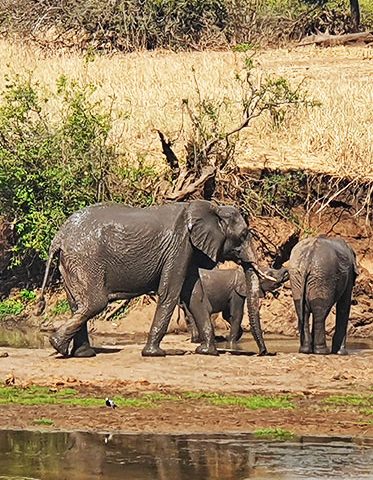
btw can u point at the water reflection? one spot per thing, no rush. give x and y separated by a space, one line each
83 456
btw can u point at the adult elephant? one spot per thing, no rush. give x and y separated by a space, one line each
225 291
322 273
112 251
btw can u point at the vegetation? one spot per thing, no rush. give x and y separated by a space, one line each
61 307
43 421
36 395
252 402
128 25
10 307
53 167
350 400
275 433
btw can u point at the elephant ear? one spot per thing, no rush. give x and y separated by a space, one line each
240 283
205 229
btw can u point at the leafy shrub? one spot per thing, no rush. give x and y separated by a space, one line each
11 306
61 307
50 169
27 295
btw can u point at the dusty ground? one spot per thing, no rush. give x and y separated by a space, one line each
307 379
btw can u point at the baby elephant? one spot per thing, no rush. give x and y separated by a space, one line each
322 273
225 291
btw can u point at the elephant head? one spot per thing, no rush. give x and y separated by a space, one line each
222 234
280 276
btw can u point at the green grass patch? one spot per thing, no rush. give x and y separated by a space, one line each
61 307
36 395
276 433
350 400
252 402
43 421
11 307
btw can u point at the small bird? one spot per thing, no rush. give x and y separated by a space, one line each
110 403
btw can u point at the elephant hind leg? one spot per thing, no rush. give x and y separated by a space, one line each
320 310
76 328
341 321
81 345
304 327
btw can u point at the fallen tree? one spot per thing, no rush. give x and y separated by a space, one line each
327 40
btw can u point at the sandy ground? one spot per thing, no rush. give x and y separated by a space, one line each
122 370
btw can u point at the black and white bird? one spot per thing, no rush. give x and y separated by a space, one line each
110 403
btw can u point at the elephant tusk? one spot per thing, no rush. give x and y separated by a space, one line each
261 274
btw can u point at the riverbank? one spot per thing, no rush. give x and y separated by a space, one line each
290 392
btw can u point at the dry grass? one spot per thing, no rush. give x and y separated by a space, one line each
335 138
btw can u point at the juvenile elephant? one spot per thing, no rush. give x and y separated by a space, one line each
322 273
225 291
112 251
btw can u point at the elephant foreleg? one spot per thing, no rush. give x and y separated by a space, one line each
200 308
341 321
236 307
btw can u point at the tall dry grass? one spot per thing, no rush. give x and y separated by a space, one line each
335 138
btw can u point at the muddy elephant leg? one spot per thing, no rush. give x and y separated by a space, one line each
304 328
320 310
81 345
200 308
341 321
236 307
170 287
191 325
77 325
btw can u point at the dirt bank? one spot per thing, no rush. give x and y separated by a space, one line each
308 380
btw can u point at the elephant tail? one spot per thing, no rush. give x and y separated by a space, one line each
303 292
53 249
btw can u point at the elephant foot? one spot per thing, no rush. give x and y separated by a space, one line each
219 339
321 350
341 351
84 351
152 351
207 350
62 347
232 344
195 339
305 349
266 353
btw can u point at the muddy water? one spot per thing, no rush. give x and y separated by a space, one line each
23 337
83 456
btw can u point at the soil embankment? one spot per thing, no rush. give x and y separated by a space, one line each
322 391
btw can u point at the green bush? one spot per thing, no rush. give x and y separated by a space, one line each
50 169
11 307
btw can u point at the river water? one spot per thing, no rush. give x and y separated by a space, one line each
83 456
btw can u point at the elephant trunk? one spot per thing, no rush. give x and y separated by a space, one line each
252 274
252 287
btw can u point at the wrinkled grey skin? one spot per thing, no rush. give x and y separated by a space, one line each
225 291
322 273
111 251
